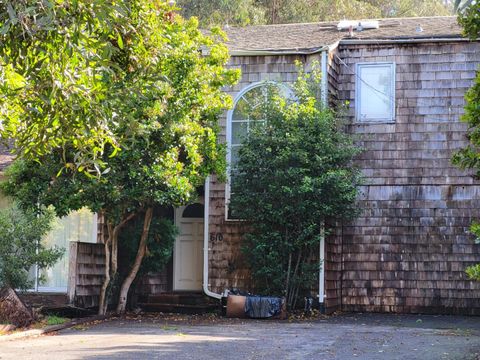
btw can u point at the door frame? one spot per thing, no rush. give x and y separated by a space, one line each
177 215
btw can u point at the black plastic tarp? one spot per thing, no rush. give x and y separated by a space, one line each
263 306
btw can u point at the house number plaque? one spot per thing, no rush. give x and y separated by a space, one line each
216 237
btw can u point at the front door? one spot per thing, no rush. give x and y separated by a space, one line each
188 251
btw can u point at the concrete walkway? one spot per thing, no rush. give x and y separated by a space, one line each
343 337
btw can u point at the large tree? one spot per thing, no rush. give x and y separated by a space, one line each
469 157
111 106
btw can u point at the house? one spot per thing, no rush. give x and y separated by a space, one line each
404 81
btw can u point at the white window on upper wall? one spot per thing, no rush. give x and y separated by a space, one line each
375 92
249 110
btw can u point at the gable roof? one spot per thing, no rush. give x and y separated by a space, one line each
305 38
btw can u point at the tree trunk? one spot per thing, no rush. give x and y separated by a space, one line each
291 296
13 310
287 283
142 248
111 260
102 303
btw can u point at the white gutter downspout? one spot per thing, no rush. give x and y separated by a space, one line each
324 80
321 275
206 248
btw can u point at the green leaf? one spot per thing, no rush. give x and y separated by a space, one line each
120 41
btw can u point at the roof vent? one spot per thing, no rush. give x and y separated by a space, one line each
419 28
357 25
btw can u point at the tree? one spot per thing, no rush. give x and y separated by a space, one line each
294 174
469 157
21 246
57 68
284 11
156 89
461 5
251 12
222 12
20 249
247 12
410 8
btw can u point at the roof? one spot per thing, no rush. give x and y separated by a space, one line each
297 38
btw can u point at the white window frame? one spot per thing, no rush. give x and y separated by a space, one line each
358 95
237 98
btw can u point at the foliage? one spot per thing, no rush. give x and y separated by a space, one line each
21 248
460 5
469 156
55 320
159 244
469 19
247 12
159 82
84 67
294 173
222 12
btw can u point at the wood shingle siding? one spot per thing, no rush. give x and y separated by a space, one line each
408 250
409 247
86 273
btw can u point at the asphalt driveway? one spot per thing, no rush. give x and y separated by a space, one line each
342 337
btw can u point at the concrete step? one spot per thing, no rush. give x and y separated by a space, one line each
179 298
177 308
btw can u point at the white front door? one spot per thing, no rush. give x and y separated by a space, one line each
188 251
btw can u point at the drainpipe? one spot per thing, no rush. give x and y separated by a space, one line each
324 80
321 274
206 249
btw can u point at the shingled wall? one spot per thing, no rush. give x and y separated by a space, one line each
409 247
408 250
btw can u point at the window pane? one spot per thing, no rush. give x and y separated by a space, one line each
376 92
239 131
234 155
255 96
241 111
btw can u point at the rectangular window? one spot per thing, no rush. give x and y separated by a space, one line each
375 92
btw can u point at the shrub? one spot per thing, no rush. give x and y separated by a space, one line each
294 173
21 248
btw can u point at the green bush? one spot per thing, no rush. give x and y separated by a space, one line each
55 320
21 248
294 173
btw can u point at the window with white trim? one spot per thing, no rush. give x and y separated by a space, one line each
375 92
250 110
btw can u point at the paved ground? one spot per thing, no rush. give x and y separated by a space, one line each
367 337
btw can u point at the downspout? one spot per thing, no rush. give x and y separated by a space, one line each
321 274
206 248
324 80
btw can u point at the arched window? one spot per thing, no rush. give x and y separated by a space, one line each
250 109
193 211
